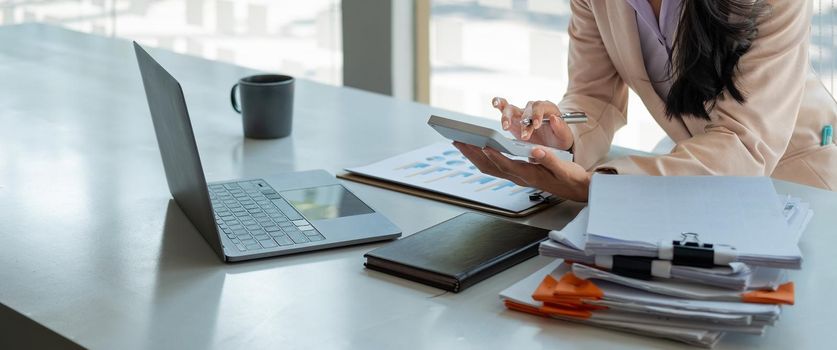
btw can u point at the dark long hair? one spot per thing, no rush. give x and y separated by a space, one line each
711 38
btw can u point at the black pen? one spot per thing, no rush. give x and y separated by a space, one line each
569 118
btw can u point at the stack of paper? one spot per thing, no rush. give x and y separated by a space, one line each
611 305
642 215
691 304
569 244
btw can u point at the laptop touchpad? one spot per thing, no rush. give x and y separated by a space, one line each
326 202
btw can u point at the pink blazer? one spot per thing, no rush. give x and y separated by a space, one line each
777 132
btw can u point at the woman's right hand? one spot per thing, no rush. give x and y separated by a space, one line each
555 134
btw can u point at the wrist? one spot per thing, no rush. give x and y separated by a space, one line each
582 187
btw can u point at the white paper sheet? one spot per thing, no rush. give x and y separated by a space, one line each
569 243
639 212
441 168
574 233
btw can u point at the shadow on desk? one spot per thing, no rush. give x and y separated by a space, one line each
192 286
188 286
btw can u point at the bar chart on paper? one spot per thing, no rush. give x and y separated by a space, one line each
443 169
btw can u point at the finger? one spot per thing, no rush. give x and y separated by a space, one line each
525 131
521 173
551 162
478 158
512 114
557 124
507 115
538 111
473 153
561 130
467 149
542 110
499 103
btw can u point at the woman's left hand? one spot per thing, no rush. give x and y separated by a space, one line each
545 171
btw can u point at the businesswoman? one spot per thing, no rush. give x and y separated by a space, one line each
728 80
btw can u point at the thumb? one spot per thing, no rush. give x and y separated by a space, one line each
548 160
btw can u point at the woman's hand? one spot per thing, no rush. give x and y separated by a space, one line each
556 134
545 171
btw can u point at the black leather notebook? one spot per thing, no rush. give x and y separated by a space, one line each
459 252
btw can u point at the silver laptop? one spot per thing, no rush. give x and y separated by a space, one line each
252 218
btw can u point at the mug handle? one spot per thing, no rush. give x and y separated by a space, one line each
235 105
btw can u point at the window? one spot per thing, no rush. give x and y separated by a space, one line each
824 42
293 37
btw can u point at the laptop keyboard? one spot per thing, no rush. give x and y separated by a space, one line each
254 216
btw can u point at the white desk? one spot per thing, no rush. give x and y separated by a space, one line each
93 249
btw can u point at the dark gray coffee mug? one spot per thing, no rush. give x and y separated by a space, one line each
266 105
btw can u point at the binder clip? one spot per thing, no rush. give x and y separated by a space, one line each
537 196
632 266
639 267
689 251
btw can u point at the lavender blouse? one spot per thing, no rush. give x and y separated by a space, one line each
656 38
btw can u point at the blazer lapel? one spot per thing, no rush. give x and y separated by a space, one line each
625 35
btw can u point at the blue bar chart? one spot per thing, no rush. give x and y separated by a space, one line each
443 169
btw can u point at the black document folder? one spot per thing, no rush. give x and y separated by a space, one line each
459 252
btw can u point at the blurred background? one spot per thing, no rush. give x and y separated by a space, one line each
474 49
